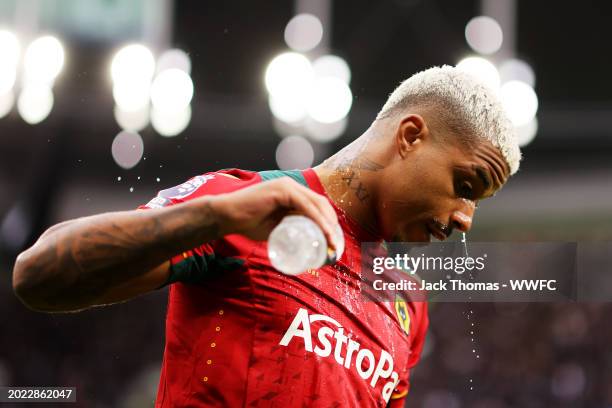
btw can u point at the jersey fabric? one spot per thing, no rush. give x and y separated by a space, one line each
241 334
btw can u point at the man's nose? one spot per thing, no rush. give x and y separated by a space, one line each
461 218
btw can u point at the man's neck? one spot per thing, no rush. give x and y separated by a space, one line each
350 178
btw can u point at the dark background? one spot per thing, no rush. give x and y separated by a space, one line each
531 355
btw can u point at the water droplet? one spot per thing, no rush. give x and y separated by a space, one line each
119 178
131 189
138 177
161 165
157 179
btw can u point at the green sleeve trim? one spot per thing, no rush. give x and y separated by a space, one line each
274 174
198 269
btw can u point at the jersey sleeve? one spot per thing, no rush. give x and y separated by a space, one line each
419 332
205 184
194 265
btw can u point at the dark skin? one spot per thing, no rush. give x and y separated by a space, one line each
397 180
406 184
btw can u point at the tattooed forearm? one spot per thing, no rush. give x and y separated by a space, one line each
71 266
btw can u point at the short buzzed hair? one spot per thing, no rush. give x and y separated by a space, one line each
463 103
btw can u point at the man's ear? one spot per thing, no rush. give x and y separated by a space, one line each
411 133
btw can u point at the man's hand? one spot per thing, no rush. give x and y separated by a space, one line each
256 210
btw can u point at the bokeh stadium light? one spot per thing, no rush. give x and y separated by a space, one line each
513 79
127 149
308 90
482 69
289 76
520 102
299 89
516 69
132 121
171 91
517 96
526 133
312 99
172 122
149 91
7 99
484 35
35 102
144 89
294 152
43 61
325 132
332 66
9 61
303 32
174 58
330 100
132 71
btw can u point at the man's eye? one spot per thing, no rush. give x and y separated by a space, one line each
466 190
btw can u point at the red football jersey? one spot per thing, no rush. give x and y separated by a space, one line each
239 333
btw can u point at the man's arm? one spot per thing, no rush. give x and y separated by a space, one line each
115 256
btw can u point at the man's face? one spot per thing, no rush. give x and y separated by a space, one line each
436 190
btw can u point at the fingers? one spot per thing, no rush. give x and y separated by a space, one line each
312 205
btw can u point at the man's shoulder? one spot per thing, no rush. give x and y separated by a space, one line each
218 182
211 183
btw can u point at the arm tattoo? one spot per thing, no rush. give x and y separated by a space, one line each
73 266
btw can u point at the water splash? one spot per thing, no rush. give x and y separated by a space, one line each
470 315
464 242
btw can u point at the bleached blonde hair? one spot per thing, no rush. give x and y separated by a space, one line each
461 102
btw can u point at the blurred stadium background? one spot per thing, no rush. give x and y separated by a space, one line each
197 86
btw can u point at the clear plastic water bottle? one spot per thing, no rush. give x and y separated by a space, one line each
298 244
